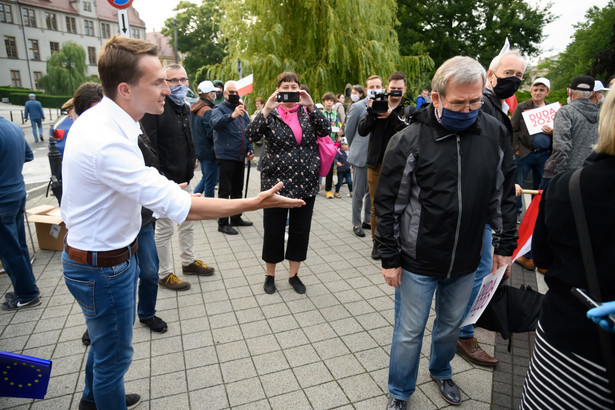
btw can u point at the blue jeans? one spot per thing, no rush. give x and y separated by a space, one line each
207 184
37 122
14 249
340 180
107 297
535 162
484 268
415 295
147 256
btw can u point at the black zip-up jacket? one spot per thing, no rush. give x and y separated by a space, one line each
171 137
493 106
436 191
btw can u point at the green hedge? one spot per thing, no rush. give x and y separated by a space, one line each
48 101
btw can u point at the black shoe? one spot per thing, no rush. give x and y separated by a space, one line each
396 404
449 391
241 222
42 139
132 401
228 229
358 231
296 283
269 284
85 339
375 253
365 225
155 324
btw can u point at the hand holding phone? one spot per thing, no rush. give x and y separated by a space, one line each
288 96
603 315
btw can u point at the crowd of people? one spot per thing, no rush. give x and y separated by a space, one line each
435 180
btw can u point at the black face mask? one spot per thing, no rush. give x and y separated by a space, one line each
233 99
506 87
219 94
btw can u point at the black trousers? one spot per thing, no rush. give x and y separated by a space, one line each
329 178
300 222
231 183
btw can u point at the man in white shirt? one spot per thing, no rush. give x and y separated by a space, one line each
106 182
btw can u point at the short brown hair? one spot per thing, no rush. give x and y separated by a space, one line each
260 100
288 77
396 76
87 94
119 62
329 96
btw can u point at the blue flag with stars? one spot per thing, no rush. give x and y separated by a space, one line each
23 376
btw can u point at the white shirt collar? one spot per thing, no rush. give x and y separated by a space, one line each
126 123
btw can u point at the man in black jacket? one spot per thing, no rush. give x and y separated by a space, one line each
442 177
171 137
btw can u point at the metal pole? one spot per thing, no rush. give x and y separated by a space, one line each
175 42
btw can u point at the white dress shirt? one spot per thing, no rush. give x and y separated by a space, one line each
105 182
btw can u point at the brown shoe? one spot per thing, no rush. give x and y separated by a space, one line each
543 271
172 282
472 350
525 262
198 267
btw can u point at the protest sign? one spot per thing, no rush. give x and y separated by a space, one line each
538 117
487 290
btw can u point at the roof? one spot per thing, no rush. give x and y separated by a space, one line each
166 50
65 6
104 10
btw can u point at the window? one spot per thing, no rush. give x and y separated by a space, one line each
15 78
35 53
92 55
54 47
29 18
11 47
50 20
6 13
135 33
37 76
71 25
87 6
88 26
105 30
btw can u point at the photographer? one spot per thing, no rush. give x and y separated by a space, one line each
386 114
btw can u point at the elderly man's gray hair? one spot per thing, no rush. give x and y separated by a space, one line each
460 70
228 84
495 63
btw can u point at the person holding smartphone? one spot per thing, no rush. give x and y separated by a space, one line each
290 129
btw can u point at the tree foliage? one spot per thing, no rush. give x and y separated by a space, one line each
197 34
327 43
66 70
475 28
592 50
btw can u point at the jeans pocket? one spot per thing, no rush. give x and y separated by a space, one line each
83 292
116 272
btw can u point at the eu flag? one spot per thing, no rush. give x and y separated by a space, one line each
23 376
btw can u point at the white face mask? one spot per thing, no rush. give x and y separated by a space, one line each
354 97
372 93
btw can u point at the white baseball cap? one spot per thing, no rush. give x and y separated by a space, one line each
206 87
598 86
543 81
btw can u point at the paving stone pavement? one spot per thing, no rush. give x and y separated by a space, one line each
230 345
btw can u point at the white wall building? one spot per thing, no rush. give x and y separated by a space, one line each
31 30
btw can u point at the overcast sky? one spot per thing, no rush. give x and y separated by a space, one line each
559 33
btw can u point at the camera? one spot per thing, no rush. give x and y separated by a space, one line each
381 103
288 96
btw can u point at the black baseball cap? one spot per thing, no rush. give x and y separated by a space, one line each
582 83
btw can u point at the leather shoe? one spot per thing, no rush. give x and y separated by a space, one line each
241 222
471 349
543 271
85 339
396 404
358 231
228 229
449 391
365 225
375 253
296 283
269 284
525 262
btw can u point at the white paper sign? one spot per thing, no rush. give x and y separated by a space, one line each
538 117
55 230
487 290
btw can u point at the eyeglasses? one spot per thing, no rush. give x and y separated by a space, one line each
174 81
460 107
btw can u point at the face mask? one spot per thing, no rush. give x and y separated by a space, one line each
354 97
372 93
178 93
233 99
506 87
456 120
219 94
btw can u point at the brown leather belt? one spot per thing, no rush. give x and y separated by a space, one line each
104 258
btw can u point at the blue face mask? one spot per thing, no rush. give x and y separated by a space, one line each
457 120
178 93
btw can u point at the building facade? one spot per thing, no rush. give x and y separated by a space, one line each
32 30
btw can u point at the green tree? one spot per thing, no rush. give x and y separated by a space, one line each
66 70
592 51
197 34
327 43
475 28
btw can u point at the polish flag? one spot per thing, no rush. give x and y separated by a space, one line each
526 229
244 86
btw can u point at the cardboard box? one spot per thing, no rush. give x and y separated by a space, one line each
50 229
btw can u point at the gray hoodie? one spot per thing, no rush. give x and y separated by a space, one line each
575 131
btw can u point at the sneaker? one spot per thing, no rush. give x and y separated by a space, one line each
329 194
132 401
15 303
396 404
172 282
296 283
350 194
269 284
85 339
155 324
11 295
337 195
198 267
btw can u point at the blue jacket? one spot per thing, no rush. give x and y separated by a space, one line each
14 151
34 109
230 140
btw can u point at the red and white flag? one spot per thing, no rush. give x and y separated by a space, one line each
244 86
526 229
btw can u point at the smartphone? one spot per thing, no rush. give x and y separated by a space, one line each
288 96
584 298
